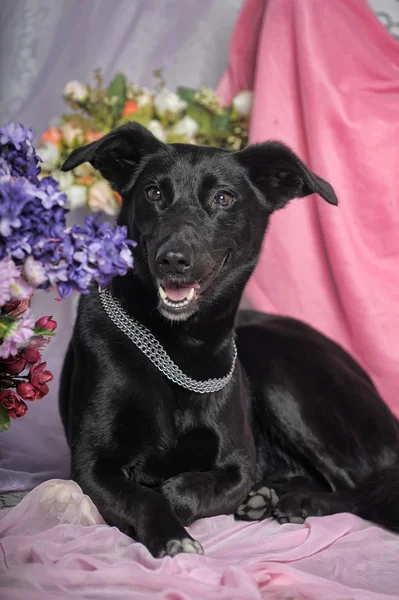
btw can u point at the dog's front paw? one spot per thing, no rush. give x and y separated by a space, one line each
185 545
295 508
258 505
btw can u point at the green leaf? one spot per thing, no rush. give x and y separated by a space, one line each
118 89
186 94
5 420
221 122
40 331
202 116
7 323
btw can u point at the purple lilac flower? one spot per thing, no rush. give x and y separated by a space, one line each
9 273
5 171
93 252
18 336
16 145
32 226
13 197
29 216
49 194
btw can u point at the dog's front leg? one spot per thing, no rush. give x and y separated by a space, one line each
205 494
140 512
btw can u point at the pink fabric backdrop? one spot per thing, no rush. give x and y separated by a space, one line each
326 82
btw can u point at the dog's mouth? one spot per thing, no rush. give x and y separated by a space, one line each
179 298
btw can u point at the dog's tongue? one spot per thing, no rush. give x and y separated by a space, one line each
177 294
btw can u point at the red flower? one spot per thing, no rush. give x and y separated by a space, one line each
39 378
93 136
129 109
52 135
15 364
27 391
9 399
46 323
31 355
19 410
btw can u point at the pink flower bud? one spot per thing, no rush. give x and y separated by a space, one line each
9 399
19 410
32 355
15 364
46 323
27 391
38 377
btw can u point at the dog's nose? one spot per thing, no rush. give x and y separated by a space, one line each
176 261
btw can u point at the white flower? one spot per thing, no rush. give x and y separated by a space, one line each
186 127
70 133
166 101
76 90
83 170
101 198
242 102
157 129
64 179
50 156
34 271
145 98
76 196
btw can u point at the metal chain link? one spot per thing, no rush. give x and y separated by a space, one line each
149 345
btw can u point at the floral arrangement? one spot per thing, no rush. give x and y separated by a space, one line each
187 116
37 250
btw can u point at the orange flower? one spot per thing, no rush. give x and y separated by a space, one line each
129 109
93 136
118 197
52 135
85 180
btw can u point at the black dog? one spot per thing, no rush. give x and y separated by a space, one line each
159 438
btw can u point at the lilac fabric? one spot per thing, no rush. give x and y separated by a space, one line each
55 546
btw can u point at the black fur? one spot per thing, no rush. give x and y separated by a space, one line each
299 430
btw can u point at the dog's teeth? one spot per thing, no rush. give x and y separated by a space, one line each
190 295
162 293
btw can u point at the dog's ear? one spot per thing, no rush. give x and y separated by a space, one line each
281 176
117 154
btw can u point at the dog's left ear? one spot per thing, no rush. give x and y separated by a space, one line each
281 176
117 154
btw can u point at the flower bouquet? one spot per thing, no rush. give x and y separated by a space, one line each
38 251
187 116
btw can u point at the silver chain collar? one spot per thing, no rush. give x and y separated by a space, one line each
154 351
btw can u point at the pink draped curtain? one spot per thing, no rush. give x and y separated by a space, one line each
325 77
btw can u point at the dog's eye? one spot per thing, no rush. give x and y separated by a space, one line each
223 199
154 194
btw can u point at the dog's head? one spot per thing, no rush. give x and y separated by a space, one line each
198 214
